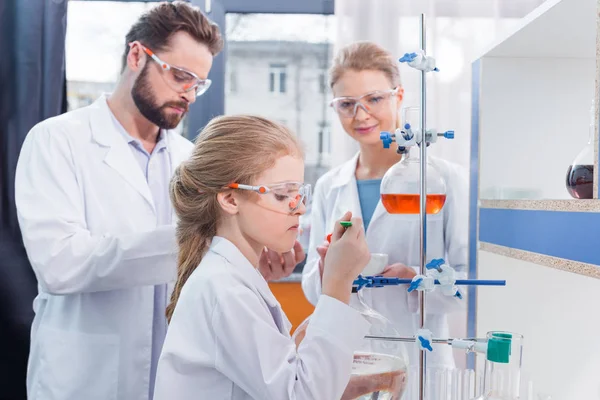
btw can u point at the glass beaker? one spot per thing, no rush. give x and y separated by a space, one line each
580 175
502 374
400 186
380 366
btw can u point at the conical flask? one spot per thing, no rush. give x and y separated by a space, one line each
380 366
400 186
580 175
502 374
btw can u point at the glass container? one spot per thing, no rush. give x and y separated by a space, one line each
580 175
502 374
380 366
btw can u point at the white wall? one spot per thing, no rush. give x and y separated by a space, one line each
559 315
530 130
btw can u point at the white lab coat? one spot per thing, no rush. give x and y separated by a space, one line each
229 339
89 226
398 236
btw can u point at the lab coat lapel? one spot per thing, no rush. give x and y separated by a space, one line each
176 157
252 276
347 197
119 155
379 212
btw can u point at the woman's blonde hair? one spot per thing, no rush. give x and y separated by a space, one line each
362 56
229 149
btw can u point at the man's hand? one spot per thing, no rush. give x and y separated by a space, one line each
274 266
399 271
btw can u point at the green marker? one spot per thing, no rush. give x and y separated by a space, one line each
345 224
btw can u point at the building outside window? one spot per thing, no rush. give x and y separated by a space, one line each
277 78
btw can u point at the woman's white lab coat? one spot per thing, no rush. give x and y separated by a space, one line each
229 339
89 226
399 237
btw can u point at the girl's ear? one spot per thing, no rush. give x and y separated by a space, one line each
228 202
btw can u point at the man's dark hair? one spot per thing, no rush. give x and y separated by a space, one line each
155 28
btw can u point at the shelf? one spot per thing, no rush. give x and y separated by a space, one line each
537 35
592 205
535 88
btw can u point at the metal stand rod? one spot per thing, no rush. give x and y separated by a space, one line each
423 211
412 339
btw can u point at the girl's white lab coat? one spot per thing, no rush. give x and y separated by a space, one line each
229 339
89 226
399 237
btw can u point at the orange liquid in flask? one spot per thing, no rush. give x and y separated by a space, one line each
411 203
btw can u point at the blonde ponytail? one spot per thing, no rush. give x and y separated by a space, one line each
229 149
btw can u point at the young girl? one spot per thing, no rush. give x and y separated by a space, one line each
228 338
366 85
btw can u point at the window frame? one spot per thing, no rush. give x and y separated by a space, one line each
278 74
212 103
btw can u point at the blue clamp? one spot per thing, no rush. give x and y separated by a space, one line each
414 285
436 263
375 282
386 138
408 57
361 282
381 281
458 294
449 134
426 344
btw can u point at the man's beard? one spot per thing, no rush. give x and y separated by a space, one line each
144 99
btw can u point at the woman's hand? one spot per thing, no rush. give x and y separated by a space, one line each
399 271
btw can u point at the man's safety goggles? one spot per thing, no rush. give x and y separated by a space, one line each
179 79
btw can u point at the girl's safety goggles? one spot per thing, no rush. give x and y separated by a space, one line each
179 79
286 195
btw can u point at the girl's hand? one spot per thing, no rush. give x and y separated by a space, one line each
347 256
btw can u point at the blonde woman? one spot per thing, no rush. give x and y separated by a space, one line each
365 81
241 190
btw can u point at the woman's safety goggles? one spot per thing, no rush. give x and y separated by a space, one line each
287 195
178 78
372 103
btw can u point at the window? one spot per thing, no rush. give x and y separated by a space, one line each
277 78
288 55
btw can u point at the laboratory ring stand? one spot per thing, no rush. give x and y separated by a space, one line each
500 347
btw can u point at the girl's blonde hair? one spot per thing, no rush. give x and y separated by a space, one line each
362 56
229 149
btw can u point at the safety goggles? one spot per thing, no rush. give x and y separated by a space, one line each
372 103
178 78
287 196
